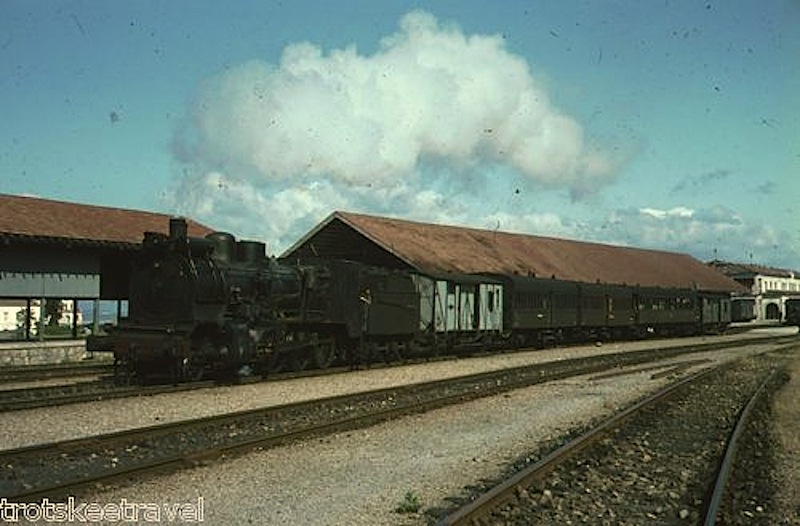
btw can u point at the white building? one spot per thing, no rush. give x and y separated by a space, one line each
769 287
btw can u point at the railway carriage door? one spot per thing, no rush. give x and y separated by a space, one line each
708 311
446 306
481 306
610 316
547 307
477 307
490 317
466 307
427 303
725 311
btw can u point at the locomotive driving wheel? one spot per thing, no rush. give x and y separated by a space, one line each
298 362
189 371
324 354
395 352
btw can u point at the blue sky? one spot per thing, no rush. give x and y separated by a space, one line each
663 124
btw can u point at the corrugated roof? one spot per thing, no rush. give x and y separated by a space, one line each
33 218
434 248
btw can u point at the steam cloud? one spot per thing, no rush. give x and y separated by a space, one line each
431 113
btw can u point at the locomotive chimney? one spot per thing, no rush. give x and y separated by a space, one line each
177 228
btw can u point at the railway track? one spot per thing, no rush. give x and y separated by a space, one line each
55 469
722 480
79 392
61 468
105 389
27 373
585 479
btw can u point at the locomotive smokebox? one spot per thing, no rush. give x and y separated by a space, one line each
177 228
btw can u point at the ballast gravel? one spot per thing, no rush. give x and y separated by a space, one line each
36 426
362 477
786 415
656 468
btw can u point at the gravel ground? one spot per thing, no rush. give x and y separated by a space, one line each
36 426
786 420
361 477
657 468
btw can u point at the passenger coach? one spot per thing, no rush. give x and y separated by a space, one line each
543 311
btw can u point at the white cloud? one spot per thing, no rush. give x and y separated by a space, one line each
678 211
437 126
406 128
713 232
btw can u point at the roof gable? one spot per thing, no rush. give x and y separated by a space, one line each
434 248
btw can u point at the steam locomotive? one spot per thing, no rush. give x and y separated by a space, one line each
219 306
215 305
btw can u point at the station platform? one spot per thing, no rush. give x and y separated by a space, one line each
21 353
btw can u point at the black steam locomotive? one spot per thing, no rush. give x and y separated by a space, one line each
215 305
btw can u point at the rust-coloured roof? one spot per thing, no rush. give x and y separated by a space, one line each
439 249
43 219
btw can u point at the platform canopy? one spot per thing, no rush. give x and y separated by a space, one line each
68 250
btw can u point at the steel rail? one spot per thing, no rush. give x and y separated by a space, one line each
112 440
17 399
725 467
506 491
58 395
26 373
477 385
180 460
493 383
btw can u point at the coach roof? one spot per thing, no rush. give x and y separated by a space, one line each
436 249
